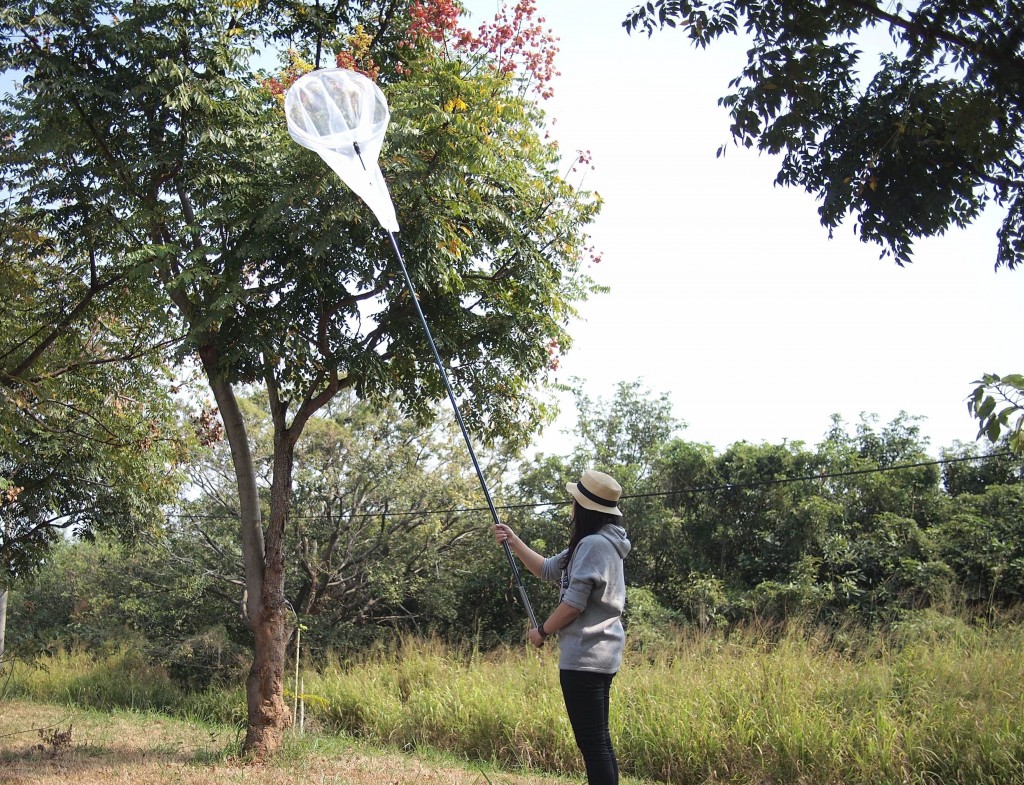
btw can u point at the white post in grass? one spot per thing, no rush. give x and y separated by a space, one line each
295 684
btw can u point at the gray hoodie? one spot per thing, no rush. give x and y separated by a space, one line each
594 584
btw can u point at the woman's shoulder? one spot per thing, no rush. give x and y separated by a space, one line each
608 541
594 543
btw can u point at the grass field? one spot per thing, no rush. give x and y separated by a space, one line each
104 748
937 702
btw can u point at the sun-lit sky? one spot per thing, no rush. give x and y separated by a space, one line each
726 292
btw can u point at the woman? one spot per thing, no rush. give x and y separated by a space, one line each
588 619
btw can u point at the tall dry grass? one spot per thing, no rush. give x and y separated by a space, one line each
937 701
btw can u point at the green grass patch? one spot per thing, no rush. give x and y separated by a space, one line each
123 680
933 702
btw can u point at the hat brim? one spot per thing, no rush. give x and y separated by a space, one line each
590 504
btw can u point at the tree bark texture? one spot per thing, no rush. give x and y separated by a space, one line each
268 713
263 561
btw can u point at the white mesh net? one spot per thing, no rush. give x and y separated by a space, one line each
342 116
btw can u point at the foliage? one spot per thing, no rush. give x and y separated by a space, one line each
388 536
864 489
983 542
910 147
994 402
648 623
767 530
798 597
891 567
90 437
703 599
752 528
936 701
626 432
853 526
102 597
141 135
377 540
970 469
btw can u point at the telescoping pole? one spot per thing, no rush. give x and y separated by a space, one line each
332 111
462 425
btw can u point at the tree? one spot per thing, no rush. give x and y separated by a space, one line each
998 405
969 470
983 542
142 134
870 490
628 432
893 566
90 436
919 145
754 528
102 595
378 533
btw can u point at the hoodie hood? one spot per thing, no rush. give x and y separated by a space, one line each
616 535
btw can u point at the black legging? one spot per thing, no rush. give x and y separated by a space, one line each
586 701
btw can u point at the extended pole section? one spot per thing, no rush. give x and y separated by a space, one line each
327 110
462 426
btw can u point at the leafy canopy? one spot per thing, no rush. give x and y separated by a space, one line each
911 146
141 135
90 436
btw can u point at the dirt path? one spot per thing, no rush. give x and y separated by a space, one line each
51 745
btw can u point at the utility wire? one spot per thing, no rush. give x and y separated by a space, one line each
808 477
656 494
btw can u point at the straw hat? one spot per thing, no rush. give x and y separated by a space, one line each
596 491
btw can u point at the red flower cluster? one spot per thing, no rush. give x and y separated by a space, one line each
274 86
517 41
348 60
553 359
583 158
435 20
521 41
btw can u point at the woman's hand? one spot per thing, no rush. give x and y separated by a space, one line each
503 533
535 637
529 557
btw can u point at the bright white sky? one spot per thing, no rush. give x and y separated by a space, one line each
726 292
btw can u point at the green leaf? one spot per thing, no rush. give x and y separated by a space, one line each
1015 380
986 408
993 429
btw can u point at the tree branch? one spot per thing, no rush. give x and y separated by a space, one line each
8 378
935 32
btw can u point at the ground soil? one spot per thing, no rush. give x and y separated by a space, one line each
54 745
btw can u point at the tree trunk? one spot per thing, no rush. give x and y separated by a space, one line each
268 715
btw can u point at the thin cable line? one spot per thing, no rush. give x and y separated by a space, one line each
655 494
822 476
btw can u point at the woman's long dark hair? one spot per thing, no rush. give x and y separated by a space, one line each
584 523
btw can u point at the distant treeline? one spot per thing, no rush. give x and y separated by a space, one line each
388 536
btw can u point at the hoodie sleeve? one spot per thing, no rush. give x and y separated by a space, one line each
587 571
550 570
